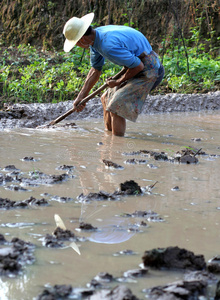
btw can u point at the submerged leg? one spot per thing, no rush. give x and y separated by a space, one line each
118 125
106 114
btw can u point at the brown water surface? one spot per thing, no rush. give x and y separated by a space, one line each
192 214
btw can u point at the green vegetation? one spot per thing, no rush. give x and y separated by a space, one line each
203 75
30 75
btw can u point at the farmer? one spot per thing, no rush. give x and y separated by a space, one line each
123 46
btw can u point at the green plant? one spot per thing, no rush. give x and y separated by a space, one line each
204 69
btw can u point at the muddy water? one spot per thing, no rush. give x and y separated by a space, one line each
191 214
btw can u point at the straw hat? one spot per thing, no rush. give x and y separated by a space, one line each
74 29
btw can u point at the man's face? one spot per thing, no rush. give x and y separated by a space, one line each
83 43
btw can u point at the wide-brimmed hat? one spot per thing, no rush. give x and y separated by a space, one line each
74 29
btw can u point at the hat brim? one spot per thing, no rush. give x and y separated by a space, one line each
87 20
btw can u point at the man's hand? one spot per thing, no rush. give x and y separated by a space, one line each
91 79
77 106
130 73
111 82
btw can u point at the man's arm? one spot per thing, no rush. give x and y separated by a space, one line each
128 75
91 79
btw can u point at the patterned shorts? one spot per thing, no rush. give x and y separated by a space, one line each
127 101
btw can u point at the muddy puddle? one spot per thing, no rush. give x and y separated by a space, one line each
183 206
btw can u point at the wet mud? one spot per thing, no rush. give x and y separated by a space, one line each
214 264
185 156
87 227
15 180
129 187
197 280
67 292
179 290
112 165
59 236
14 255
6 203
33 115
173 258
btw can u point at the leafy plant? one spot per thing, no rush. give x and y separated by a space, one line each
29 75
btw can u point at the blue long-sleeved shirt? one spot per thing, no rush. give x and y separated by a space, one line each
120 44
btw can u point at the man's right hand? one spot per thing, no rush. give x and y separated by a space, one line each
77 106
91 79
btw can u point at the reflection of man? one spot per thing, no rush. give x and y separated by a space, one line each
123 46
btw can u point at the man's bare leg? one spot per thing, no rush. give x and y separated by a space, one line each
118 125
113 122
106 114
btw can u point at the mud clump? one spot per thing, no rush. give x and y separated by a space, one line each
100 280
110 164
65 168
60 235
151 216
135 273
86 226
156 155
100 196
57 292
130 188
67 292
41 178
15 256
200 275
66 125
10 168
29 158
179 290
6 203
173 258
187 159
58 198
51 241
126 188
134 161
214 264
188 156
118 293
185 156
104 277
36 178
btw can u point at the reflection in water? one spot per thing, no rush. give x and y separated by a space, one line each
114 231
11 288
111 230
83 155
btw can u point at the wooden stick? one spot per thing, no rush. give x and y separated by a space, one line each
86 99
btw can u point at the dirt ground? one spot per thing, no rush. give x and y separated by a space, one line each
33 115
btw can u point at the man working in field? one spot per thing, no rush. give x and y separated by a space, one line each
123 46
